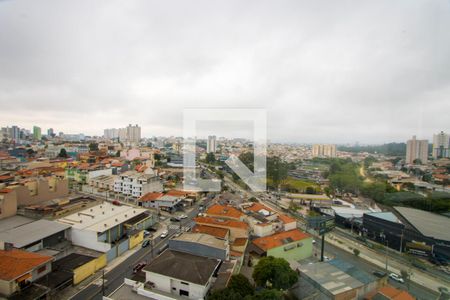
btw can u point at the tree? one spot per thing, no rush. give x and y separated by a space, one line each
93 147
118 153
225 294
241 285
274 272
417 161
356 252
268 294
310 190
63 153
210 158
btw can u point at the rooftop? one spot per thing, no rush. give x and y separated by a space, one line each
151 197
183 266
219 222
259 208
336 276
428 224
28 233
101 217
387 215
220 233
224 211
389 293
286 219
15 263
14 221
280 239
200 238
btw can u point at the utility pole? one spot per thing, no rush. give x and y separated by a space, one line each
103 282
322 247
387 255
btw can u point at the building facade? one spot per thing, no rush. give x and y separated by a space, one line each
441 143
416 149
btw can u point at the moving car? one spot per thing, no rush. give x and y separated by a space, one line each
379 274
139 267
396 277
164 234
183 217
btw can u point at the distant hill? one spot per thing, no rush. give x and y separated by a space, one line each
391 149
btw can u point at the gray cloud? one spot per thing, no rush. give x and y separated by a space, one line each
326 71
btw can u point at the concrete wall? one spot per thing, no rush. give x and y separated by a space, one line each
87 239
8 204
165 284
89 268
300 250
136 239
41 191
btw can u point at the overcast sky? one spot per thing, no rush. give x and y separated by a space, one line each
326 71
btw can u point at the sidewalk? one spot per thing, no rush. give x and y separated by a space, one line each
375 258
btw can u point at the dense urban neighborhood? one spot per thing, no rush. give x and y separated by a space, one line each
109 217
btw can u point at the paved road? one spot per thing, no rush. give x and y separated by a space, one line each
116 276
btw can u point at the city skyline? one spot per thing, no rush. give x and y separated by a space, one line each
328 72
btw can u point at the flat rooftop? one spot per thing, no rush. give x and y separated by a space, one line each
204 239
13 222
29 233
386 215
335 276
101 217
427 223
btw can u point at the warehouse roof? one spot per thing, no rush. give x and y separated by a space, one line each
184 266
386 215
28 233
428 224
204 239
101 217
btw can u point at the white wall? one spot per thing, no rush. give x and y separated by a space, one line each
87 239
165 284
96 173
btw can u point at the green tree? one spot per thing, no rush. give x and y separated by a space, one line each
225 294
268 294
93 146
241 285
356 252
210 158
310 190
63 153
275 273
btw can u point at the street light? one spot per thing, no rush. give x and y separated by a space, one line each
383 236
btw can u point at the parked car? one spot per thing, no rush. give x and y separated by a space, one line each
164 234
183 217
174 219
313 241
145 243
396 277
379 274
147 233
139 267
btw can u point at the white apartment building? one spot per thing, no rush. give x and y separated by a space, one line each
135 184
321 150
131 134
441 143
211 144
416 149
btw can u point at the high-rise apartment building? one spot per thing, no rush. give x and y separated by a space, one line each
211 144
50 132
321 150
111 133
133 133
441 143
416 149
37 133
15 133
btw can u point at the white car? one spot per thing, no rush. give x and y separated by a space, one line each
313 241
164 234
396 277
183 217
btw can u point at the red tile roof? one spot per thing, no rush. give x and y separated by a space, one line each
276 240
240 242
15 263
286 219
220 233
389 292
151 197
256 207
177 193
224 211
219 222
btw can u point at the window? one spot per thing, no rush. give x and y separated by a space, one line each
185 283
184 293
42 269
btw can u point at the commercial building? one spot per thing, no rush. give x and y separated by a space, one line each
211 144
105 225
31 236
181 274
416 150
321 150
19 268
201 244
160 201
410 230
290 245
441 146
336 280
